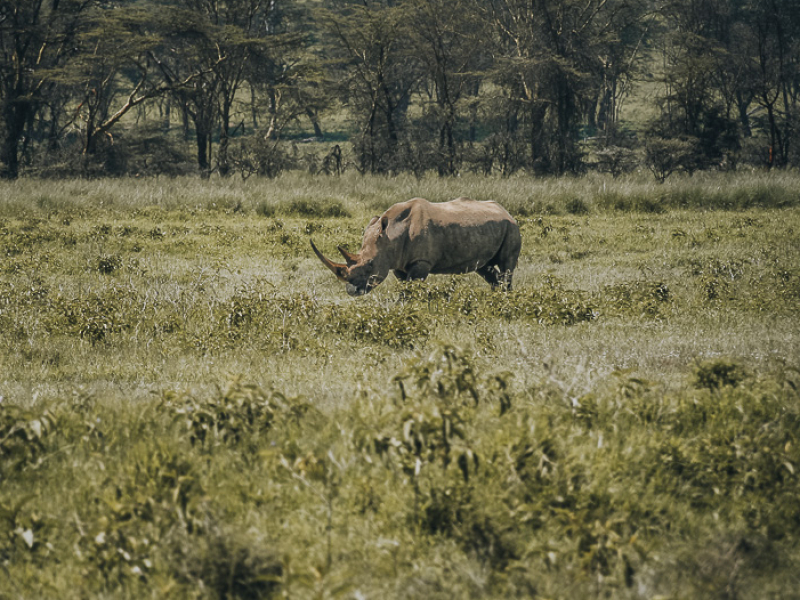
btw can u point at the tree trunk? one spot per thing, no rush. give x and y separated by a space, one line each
202 153
224 139
565 117
744 119
15 115
537 114
166 115
254 108
775 148
10 157
312 116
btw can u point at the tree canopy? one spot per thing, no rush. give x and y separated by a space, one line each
94 87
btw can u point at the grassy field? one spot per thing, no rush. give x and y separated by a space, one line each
191 406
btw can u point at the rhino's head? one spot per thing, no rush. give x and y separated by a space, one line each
366 269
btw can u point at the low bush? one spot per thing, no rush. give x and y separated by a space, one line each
600 486
318 208
23 436
715 374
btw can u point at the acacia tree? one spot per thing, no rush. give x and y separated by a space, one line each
215 48
722 59
695 120
775 27
556 57
36 40
197 97
191 53
111 72
375 74
622 30
444 38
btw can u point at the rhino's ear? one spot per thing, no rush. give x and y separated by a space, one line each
384 223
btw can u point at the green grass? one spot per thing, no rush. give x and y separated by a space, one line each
193 407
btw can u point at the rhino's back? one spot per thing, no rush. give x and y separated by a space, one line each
457 236
463 212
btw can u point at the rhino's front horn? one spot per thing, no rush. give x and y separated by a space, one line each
338 269
349 257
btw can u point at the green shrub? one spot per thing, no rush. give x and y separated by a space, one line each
650 299
409 327
23 436
93 317
551 306
728 450
716 374
230 564
319 208
24 533
108 264
576 206
239 412
156 493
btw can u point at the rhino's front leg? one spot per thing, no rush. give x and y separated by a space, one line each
417 270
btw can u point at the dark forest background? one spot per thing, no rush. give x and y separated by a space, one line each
143 87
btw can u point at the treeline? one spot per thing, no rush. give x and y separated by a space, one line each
91 87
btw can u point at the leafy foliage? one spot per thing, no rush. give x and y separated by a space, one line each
23 436
715 374
514 487
377 87
155 494
240 413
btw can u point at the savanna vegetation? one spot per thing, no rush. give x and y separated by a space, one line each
191 406
257 87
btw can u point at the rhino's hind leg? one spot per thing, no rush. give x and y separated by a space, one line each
490 274
499 271
505 280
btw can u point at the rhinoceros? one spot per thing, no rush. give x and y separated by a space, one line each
417 238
